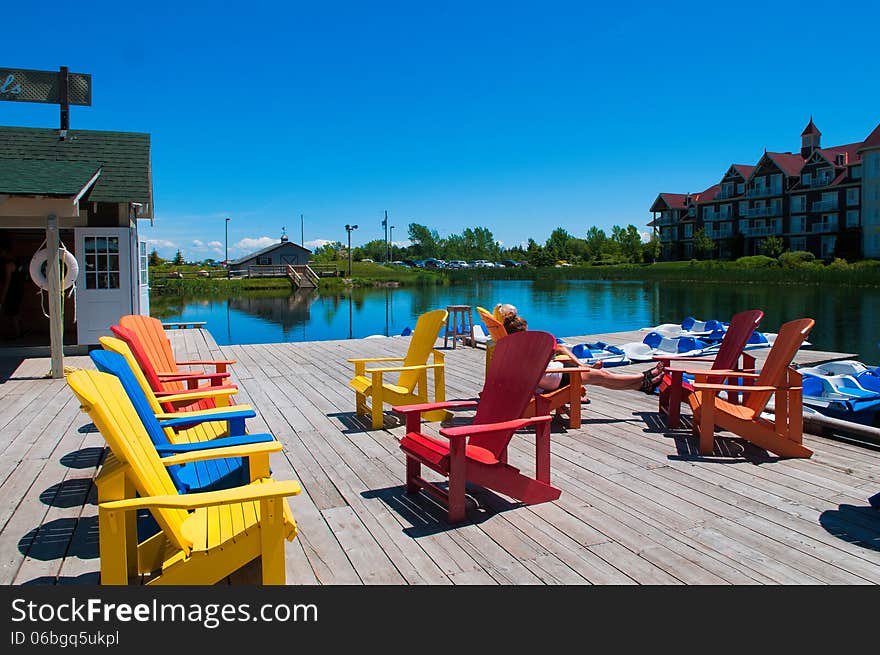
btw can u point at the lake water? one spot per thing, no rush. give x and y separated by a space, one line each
847 319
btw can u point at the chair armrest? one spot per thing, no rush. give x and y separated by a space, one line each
693 358
725 374
376 359
206 362
209 414
515 424
256 491
396 369
221 442
737 387
207 392
427 407
247 450
187 418
181 377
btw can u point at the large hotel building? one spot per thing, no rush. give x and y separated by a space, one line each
823 200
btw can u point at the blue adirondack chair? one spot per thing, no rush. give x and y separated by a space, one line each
203 475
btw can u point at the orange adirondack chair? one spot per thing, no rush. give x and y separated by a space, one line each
156 345
777 379
165 384
674 390
478 452
496 332
567 397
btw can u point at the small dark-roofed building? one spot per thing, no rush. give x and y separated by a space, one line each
278 254
96 185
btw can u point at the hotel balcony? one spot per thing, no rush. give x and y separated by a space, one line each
762 230
760 193
668 236
717 216
816 182
757 212
719 234
824 206
819 228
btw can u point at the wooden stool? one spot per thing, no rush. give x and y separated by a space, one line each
464 315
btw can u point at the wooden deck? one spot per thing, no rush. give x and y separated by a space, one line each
638 505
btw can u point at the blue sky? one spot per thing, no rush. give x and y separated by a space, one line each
521 117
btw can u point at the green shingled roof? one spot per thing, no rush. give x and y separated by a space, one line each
124 158
45 178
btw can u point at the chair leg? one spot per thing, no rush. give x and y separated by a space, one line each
360 404
272 541
707 425
456 491
112 547
413 471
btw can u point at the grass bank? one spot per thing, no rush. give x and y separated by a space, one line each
865 273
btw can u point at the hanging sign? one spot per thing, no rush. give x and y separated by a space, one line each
22 85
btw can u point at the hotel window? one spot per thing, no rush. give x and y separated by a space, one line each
852 218
798 204
743 207
692 211
852 197
776 183
828 244
797 243
264 260
725 210
740 188
797 224
806 179
102 262
727 189
688 231
856 172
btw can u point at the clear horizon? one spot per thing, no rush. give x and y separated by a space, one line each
457 116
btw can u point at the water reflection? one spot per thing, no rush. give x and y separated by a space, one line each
847 319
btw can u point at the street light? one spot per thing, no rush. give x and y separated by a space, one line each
391 243
349 228
227 247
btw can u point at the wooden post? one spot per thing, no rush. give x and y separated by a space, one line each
56 320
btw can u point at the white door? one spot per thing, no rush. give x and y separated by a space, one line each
104 286
143 281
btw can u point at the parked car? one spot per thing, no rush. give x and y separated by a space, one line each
457 263
366 260
433 263
482 263
509 263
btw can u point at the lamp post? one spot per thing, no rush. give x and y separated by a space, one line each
349 228
391 243
227 247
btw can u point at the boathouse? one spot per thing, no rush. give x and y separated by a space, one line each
278 256
89 189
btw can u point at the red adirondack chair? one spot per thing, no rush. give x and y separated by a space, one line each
478 452
169 384
674 390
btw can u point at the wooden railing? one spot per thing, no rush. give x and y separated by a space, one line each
302 275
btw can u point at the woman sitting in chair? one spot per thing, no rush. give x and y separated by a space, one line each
647 381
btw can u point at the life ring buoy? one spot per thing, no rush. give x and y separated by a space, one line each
38 269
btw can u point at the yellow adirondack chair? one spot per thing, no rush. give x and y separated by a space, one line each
412 384
202 432
204 536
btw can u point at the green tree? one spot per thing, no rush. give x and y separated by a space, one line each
703 245
329 252
426 242
629 240
772 246
558 244
178 258
597 241
155 260
651 249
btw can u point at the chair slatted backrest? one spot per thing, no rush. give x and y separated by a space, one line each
151 334
116 365
742 326
105 401
495 327
421 344
144 361
791 336
204 431
510 384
